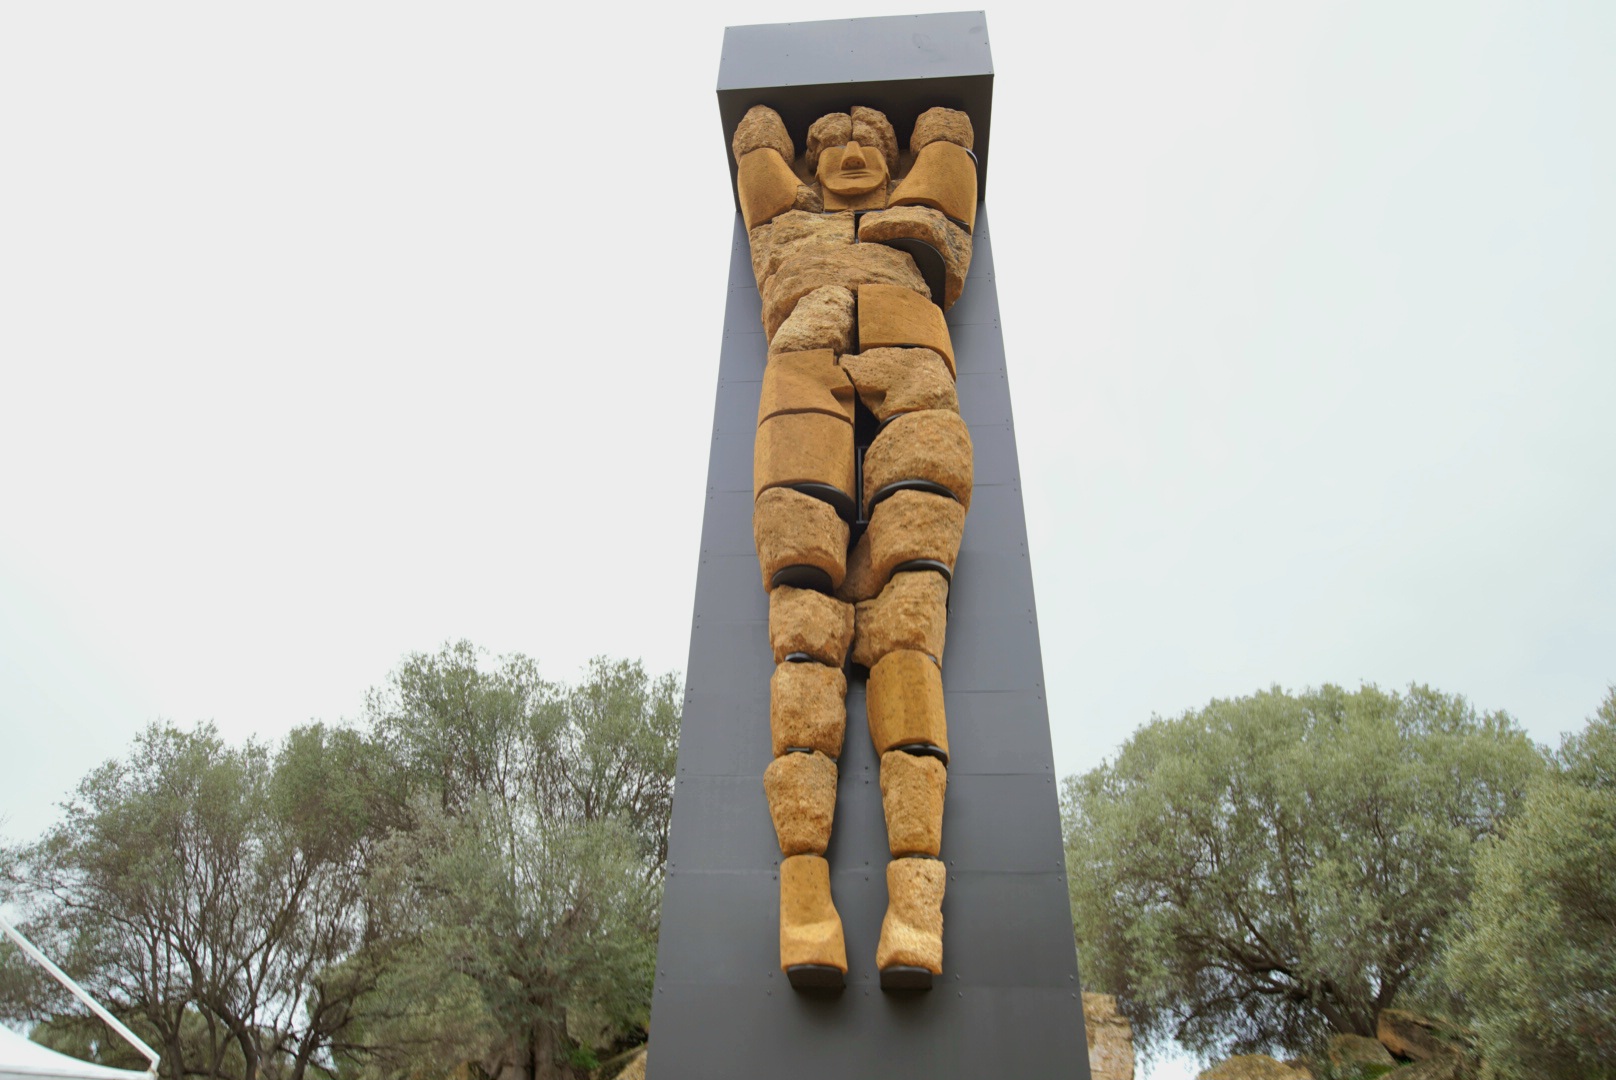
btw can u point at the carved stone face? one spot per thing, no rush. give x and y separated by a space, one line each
852 170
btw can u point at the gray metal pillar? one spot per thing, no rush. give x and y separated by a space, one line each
1008 1002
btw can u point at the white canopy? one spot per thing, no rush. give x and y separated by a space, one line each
23 1059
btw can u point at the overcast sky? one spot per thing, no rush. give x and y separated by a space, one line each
330 331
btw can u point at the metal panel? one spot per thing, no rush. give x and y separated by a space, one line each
1008 1001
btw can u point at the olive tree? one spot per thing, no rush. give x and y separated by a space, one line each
1536 954
1268 869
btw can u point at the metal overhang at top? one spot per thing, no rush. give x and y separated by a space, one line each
899 64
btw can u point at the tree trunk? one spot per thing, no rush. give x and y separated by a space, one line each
548 1042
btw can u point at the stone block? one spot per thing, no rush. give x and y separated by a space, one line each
807 708
872 128
1110 1038
803 448
804 621
893 381
912 790
793 529
943 177
792 232
912 931
822 319
860 582
1418 1038
832 129
904 700
762 127
801 789
803 382
766 185
934 445
931 226
901 317
849 267
810 928
942 125
911 613
914 525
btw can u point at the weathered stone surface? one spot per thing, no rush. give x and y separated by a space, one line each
803 448
911 613
805 621
823 319
931 226
762 127
912 790
1249 1067
801 789
904 701
1441 1067
933 445
805 382
872 128
766 185
1347 1051
1301 1066
807 708
793 529
849 267
860 583
912 931
808 199
944 178
793 232
1110 1038
893 381
914 525
832 129
853 177
810 929
900 317
942 125
1410 1035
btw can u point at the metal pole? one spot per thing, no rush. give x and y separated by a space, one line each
82 994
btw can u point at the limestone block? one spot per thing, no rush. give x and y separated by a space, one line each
808 199
931 226
872 128
942 125
912 931
850 267
803 448
823 319
804 621
801 789
1250 1067
934 445
944 178
853 177
802 382
911 613
766 185
832 129
914 525
1110 1038
793 529
889 317
904 699
860 582
1418 1038
762 127
912 790
893 381
810 929
795 231
807 708
1350 1053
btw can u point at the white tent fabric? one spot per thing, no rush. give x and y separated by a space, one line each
23 1059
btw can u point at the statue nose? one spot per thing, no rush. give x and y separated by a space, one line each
853 156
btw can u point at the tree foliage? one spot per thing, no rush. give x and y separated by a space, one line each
1536 955
471 876
1259 872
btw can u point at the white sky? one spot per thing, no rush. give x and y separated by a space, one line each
330 332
